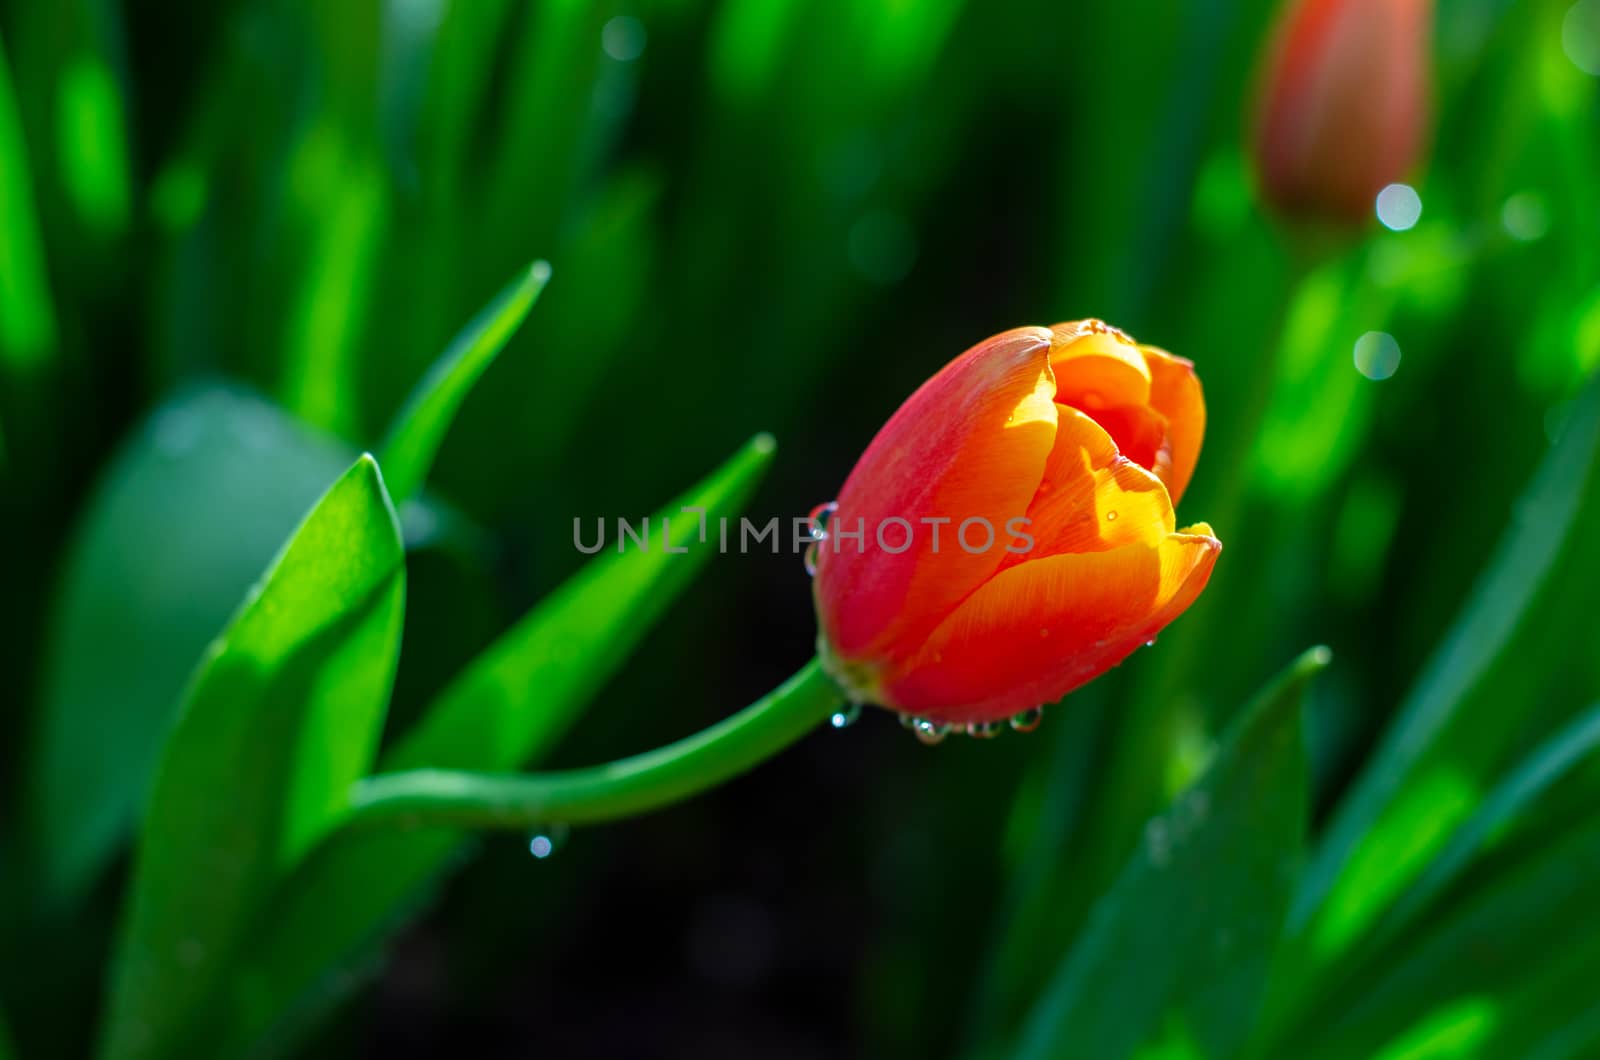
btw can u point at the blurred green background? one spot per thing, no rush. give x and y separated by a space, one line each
234 235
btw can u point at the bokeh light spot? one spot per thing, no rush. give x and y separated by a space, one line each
1377 355
623 38
1399 206
1525 216
1580 36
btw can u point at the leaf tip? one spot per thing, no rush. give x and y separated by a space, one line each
764 444
539 273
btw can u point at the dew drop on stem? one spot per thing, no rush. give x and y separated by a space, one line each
846 716
547 839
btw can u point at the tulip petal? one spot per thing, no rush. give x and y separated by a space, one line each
1175 394
1141 434
1093 499
1097 366
971 443
1038 630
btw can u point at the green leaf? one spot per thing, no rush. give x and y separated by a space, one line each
508 708
28 325
189 512
1194 916
282 717
1507 968
1509 802
1424 778
6 1051
419 428
178 529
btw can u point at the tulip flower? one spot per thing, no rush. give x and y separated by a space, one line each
1009 533
1343 104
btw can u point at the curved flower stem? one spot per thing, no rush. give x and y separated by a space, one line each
624 788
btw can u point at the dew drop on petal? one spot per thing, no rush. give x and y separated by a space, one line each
811 560
984 730
846 717
1027 720
908 721
1111 517
930 732
818 519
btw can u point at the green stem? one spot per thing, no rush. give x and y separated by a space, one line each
623 788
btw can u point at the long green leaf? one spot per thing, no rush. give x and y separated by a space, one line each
419 429
1460 977
508 708
283 715
1513 799
27 321
184 520
1360 866
1193 919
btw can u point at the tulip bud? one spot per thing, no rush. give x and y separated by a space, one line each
1009 533
1343 104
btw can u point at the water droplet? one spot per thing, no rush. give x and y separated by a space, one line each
908 721
1111 517
846 717
547 840
1151 643
984 730
1027 720
819 520
930 732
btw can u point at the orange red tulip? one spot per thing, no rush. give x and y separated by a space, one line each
1343 104
1009 534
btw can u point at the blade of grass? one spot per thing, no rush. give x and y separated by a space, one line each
1526 558
419 428
27 321
508 708
282 716
1195 914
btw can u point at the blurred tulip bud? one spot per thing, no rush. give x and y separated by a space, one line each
1009 533
1343 105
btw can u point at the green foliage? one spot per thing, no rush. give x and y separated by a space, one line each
419 429
282 717
1192 920
190 510
506 709
234 240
